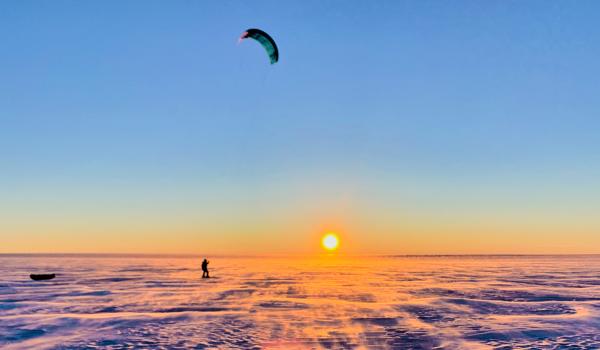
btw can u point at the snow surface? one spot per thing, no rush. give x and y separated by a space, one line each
482 302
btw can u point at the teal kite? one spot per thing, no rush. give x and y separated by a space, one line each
265 40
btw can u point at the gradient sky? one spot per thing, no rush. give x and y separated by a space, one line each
405 126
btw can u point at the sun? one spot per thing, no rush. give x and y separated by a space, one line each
330 241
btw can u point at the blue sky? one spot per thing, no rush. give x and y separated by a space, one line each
118 111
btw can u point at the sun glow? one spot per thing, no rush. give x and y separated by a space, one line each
330 241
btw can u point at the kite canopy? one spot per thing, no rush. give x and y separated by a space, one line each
265 40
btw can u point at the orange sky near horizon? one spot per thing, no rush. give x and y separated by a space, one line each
296 232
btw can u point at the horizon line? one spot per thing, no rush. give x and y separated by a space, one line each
290 255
